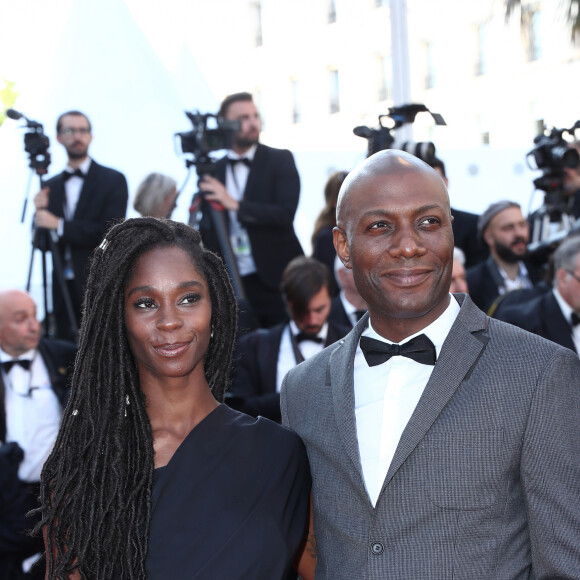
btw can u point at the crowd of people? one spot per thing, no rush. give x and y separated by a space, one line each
404 402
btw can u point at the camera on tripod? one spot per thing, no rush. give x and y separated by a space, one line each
36 143
552 155
209 133
383 138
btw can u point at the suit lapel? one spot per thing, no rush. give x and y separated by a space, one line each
461 350
558 328
340 376
88 191
257 169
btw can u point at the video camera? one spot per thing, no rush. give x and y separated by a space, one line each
36 143
382 137
209 133
553 221
552 155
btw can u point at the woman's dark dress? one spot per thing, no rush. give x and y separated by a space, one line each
232 503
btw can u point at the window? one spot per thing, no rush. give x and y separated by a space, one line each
482 65
295 90
256 20
384 77
334 91
331 11
533 30
430 68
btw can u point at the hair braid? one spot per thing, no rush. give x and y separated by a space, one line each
96 485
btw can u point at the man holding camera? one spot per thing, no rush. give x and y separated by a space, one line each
80 204
259 187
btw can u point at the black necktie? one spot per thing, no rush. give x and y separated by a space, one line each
66 175
243 160
420 349
305 336
575 319
25 364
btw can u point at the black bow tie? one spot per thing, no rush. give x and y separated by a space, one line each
575 319
66 175
25 364
420 349
306 336
243 160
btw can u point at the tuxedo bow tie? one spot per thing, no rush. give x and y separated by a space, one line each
306 336
244 160
420 349
575 319
66 175
25 364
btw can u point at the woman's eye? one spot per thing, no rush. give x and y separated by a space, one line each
190 298
145 303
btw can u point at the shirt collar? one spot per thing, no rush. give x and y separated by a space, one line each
4 356
437 331
84 166
564 306
322 334
249 154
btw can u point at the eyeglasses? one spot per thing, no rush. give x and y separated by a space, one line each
71 131
577 278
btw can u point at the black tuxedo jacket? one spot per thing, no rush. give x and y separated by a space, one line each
465 236
256 368
542 316
338 314
484 281
267 211
15 497
102 201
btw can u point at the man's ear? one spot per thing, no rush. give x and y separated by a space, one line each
341 246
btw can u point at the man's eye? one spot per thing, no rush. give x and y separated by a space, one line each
378 225
430 221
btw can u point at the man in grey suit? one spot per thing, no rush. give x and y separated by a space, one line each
459 455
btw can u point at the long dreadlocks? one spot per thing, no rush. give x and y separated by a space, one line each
96 485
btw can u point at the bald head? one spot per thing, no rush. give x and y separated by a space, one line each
393 164
19 328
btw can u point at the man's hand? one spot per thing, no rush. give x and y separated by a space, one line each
45 219
41 198
215 190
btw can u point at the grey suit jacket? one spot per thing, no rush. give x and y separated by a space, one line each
485 481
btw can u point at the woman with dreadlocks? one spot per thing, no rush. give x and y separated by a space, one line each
151 476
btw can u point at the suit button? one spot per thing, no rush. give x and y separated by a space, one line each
377 548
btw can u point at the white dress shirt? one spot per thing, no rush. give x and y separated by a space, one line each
72 188
385 397
236 179
307 348
32 412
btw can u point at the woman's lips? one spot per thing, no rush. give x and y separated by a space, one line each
171 350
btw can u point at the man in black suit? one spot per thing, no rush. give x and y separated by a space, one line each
33 393
506 232
348 306
259 186
554 315
264 356
79 204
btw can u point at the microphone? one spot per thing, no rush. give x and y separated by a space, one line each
363 131
14 114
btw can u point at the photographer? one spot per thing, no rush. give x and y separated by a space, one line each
259 186
79 204
572 183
